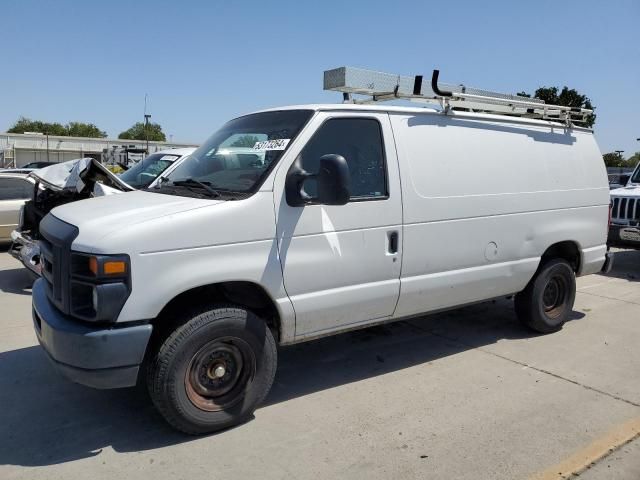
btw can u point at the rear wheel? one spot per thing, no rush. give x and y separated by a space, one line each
214 370
547 301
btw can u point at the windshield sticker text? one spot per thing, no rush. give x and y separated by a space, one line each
277 144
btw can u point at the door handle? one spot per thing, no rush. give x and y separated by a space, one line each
393 242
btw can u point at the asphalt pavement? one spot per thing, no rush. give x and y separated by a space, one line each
465 394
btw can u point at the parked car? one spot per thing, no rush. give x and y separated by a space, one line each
13 171
146 171
624 226
618 180
37 165
77 179
28 168
350 216
15 190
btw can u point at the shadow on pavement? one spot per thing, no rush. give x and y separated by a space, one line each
626 265
47 420
16 280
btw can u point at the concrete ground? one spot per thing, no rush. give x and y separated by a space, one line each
467 394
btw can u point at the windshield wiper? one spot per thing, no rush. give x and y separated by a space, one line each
190 181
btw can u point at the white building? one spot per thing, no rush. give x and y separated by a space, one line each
18 149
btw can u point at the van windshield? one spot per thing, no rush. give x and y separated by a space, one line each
239 156
635 178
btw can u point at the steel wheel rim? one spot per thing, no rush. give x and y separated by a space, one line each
219 373
554 296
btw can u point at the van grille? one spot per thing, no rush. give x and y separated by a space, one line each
55 253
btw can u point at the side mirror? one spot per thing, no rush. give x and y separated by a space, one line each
333 180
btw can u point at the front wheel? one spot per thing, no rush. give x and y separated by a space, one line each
214 370
547 301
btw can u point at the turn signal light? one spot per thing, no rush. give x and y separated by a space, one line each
93 265
109 267
114 267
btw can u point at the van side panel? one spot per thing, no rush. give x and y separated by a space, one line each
219 243
483 200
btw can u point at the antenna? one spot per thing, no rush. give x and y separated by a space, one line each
379 86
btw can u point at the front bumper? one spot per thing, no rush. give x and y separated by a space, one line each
26 250
624 236
96 356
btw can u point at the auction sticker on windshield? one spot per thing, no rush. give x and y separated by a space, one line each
277 144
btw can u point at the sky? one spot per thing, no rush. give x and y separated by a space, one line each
204 62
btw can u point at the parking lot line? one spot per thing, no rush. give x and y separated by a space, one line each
592 453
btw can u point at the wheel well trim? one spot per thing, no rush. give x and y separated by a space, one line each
284 313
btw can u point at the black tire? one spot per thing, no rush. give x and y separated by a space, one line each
214 370
547 301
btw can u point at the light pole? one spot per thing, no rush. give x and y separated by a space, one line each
47 134
146 129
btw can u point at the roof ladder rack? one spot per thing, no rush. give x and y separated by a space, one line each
379 86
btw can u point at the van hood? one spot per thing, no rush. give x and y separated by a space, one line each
629 191
101 216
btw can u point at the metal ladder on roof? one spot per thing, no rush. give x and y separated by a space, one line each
379 87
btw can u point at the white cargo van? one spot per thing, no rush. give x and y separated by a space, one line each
338 217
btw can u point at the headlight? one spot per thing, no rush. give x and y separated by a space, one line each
100 285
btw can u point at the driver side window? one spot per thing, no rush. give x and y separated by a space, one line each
359 141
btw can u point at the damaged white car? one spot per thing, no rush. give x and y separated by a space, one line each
76 180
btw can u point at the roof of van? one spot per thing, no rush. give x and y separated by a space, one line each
382 107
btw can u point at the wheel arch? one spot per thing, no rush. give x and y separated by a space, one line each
568 250
241 293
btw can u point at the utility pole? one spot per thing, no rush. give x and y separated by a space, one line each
47 134
146 129
146 123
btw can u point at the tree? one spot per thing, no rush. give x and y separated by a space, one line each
245 141
614 159
568 97
73 129
137 132
79 129
633 160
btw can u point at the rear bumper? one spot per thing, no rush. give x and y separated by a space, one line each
624 236
99 357
26 250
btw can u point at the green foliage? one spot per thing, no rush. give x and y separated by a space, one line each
614 159
633 160
245 141
137 132
567 97
71 129
79 129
